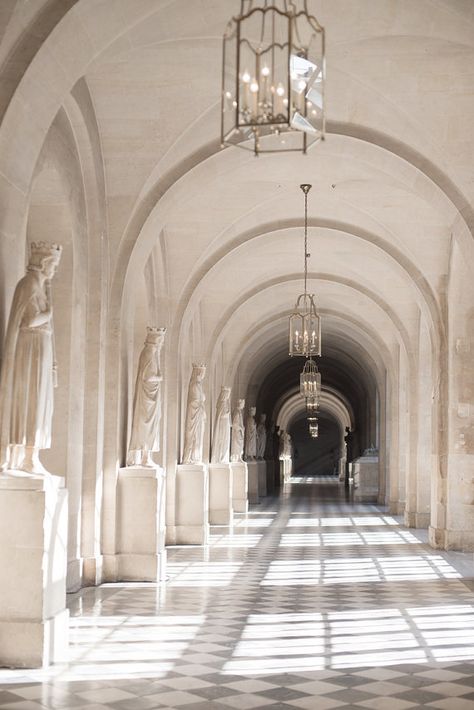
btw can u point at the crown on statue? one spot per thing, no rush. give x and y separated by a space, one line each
44 250
154 335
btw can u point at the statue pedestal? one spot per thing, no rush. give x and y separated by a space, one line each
192 504
365 474
270 477
240 486
220 494
287 470
141 555
34 621
252 467
262 478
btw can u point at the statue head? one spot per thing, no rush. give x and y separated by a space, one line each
252 411
199 371
44 257
155 336
263 418
225 392
240 403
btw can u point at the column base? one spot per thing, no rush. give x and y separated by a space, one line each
140 529
460 540
135 567
192 504
252 467
416 520
240 486
220 494
396 507
92 571
34 644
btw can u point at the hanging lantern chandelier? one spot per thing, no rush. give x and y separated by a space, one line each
305 323
273 73
310 381
312 405
313 427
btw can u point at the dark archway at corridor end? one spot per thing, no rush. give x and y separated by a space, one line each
341 373
316 457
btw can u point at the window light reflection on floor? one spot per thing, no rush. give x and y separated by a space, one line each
244 541
111 647
202 574
357 570
367 520
372 638
254 523
392 537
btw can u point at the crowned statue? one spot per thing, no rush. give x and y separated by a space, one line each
261 437
29 373
145 436
195 417
251 435
238 432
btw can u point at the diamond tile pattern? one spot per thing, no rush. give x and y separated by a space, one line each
308 601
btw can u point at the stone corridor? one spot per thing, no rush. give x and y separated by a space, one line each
309 601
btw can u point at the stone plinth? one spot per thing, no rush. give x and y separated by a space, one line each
287 466
220 494
141 555
252 467
240 486
262 478
192 504
270 477
365 474
33 557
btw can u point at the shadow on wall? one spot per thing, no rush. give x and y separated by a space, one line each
316 456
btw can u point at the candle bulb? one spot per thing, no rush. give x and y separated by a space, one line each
246 82
280 92
265 75
254 92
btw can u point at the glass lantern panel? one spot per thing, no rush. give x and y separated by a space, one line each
296 335
229 85
311 334
274 61
307 77
264 38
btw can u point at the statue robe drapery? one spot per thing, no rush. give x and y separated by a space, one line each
26 383
147 402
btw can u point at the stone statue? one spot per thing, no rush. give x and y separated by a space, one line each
261 437
145 436
238 432
281 444
275 443
251 435
195 417
29 370
221 436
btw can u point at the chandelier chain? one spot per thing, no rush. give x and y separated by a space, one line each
306 188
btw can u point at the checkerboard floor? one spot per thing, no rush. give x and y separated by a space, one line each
308 601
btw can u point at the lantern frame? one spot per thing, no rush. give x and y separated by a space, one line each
273 77
310 380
